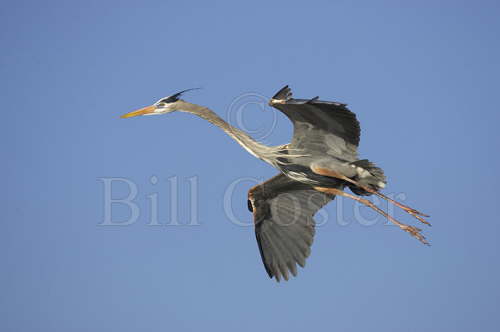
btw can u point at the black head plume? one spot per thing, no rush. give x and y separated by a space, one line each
173 98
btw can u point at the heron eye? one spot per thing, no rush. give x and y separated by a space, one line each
160 104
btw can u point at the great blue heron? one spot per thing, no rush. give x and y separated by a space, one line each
318 164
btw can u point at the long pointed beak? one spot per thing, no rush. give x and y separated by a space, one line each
142 111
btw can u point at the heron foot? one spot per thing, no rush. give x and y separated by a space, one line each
417 215
413 211
415 232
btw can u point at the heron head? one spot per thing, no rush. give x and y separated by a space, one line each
164 105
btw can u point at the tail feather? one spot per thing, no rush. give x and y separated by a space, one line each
368 175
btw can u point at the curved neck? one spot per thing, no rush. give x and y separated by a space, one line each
255 148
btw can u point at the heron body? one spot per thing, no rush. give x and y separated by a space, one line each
319 163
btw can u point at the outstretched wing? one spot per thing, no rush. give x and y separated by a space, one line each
283 211
320 126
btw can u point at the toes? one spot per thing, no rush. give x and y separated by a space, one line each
418 215
415 232
413 211
422 220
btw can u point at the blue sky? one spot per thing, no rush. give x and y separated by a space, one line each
423 79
